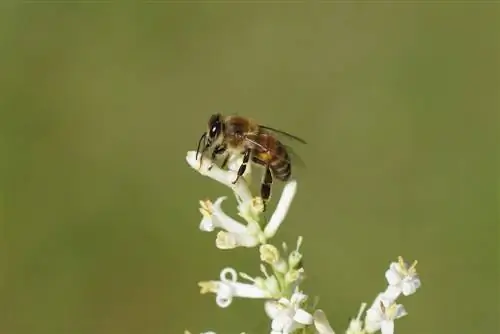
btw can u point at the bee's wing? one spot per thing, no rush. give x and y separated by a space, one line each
286 134
295 157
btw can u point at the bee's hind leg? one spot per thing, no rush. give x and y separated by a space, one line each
265 189
243 167
224 163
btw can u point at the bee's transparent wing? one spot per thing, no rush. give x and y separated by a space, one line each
295 157
286 134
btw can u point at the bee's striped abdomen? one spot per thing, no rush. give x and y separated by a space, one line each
280 164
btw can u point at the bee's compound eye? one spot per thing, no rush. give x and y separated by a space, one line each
213 131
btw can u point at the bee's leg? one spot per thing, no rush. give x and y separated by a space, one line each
243 167
224 163
265 190
219 149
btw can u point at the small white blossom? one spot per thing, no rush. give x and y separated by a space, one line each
382 314
266 287
228 287
214 217
236 234
287 314
402 278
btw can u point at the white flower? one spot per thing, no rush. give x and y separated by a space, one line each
214 217
287 314
228 287
402 278
234 233
321 323
382 314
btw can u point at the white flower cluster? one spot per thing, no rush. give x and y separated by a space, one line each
282 272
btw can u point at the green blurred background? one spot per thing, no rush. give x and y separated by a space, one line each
101 101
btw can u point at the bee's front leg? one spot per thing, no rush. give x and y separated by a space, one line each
243 167
218 150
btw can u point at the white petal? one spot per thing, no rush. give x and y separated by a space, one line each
372 320
224 221
228 275
248 291
410 286
387 327
392 293
281 209
376 303
392 275
298 297
272 308
207 224
281 322
321 323
400 311
225 177
292 327
302 317
227 290
224 295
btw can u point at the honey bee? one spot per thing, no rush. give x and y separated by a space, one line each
229 135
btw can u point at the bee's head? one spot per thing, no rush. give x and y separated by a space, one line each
215 127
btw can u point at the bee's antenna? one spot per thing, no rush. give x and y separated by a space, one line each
202 138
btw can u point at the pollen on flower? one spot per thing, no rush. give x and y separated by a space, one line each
294 275
258 204
390 311
206 208
207 287
405 268
269 254
225 240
